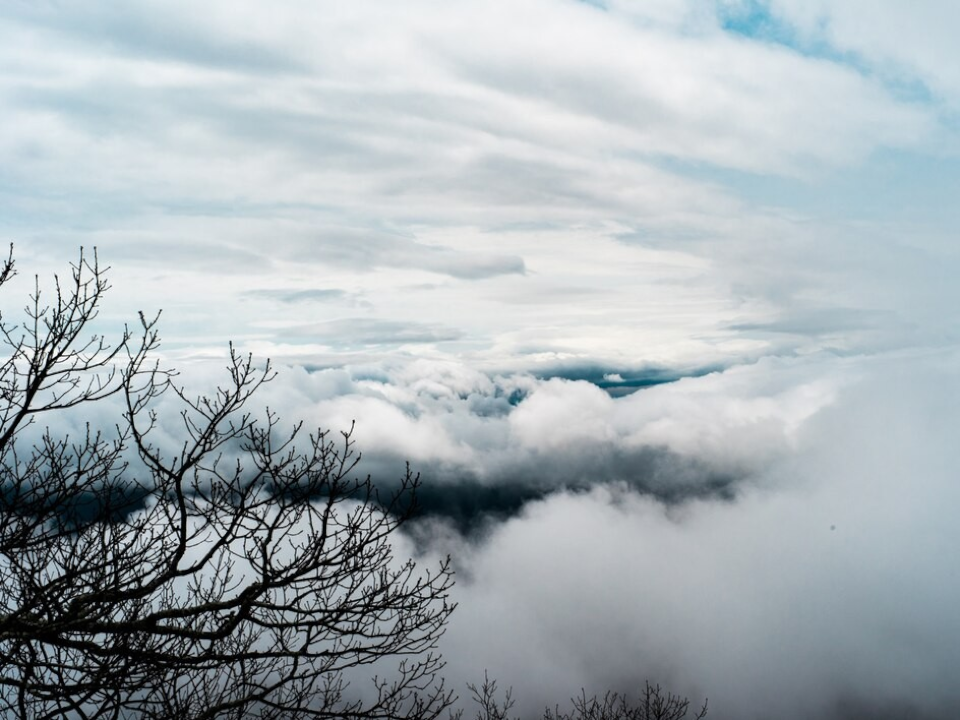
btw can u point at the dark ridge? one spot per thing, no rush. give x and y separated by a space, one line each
75 510
620 381
471 507
469 503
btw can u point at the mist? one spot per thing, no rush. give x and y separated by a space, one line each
657 298
823 588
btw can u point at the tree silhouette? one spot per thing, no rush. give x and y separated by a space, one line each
654 704
229 570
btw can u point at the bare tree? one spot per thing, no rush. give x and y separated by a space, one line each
486 697
654 704
234 571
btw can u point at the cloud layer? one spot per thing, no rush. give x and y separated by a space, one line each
477 228
824 590
595 547
691 182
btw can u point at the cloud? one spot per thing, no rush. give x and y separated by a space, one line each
206 257
911 49
368 250
489 444
771 536
300 296
474 167
148 30
484 226
820 592
366 331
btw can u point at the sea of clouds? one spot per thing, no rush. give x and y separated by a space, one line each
476 228
775 536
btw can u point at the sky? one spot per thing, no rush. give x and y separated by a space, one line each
658 296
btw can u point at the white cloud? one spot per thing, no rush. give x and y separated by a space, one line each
431 203
905 44
821 592
697 436
461 166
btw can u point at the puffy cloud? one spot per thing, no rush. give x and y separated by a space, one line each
821 592
772 536
506 439
810 582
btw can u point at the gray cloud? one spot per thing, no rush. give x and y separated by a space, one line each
208 257
311 295
368 331
821 592
139 30
366 250
812 321
295 296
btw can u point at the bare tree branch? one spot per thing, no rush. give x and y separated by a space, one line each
240 574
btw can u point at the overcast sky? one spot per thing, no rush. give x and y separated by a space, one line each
478 227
